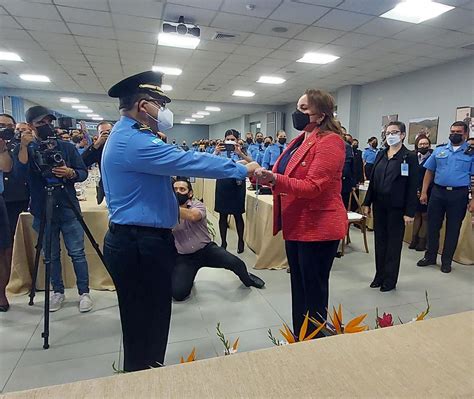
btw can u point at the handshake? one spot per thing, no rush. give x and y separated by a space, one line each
263 175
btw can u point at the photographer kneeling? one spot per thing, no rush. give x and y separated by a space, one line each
39 156
195 248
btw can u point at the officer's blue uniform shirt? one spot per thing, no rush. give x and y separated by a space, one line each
451 168
136 170
271 155
257 151
1 182
369 155
210 149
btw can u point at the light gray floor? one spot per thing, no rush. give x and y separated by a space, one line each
85 346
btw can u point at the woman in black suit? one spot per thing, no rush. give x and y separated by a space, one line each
423 152
392 192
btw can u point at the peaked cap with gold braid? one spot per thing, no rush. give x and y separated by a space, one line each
148 82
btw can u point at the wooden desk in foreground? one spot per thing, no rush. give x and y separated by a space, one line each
433 358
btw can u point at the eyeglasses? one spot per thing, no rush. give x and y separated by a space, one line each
161 104
393 132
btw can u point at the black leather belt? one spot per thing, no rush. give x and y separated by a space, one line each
451 188
128 228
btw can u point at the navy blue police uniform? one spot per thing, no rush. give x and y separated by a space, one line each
139 248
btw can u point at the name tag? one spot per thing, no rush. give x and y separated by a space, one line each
404 169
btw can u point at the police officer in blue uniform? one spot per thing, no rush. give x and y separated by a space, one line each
273 152
257 150
451 166
139 249
368 156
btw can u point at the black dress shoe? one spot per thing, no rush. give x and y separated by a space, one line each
426 262
4 308
240 247
413 243
255 281
375 284
386 288
288 270
446 268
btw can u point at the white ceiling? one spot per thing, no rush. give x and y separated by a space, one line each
85 46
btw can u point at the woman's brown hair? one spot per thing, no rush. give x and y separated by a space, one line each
323 102
421 137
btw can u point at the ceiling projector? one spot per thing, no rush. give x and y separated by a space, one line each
181 28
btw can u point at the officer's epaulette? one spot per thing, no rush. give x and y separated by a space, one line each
441 145
141 126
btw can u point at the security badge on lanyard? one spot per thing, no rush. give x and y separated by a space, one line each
404 168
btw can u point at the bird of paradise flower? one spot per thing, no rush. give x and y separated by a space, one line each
291 337
337 326
190 358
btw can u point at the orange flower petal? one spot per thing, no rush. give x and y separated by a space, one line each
304 327
315 332
355 321
236 344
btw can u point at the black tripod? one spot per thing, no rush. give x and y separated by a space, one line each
45 234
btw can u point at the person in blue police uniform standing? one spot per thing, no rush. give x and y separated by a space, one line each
139 248
368 156
451 167
257 149
273 152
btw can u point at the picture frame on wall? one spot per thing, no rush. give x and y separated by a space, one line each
386 119
466 114
428 126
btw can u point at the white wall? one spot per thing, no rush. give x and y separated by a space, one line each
189 133
434 91
217 130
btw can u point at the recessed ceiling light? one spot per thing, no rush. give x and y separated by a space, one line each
177 40
78 106
273 80
7 56
97 118
69 100
203 113
185 122
167 70
93 115
318 58
197 116
190 120
279 29
35 78
166 87
416 11
86 111
213 109
243 93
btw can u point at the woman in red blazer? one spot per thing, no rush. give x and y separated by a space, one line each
307 203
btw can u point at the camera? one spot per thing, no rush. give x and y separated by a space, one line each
47 157
7 133
229 146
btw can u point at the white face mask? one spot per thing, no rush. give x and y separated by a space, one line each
393 139
164 120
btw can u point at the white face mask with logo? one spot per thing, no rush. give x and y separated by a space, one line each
393 139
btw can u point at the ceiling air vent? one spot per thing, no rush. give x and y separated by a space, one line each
224 36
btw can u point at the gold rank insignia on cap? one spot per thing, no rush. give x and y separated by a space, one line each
153 88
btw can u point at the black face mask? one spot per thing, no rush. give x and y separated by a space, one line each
455 138
45 131
355 146
182 198
423 151
300 120
282 141
249 141
266 144
259 141
7 133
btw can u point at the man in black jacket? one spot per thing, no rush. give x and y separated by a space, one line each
358 162
64 220
93 154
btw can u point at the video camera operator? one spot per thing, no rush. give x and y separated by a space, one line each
6 125
93 154
48 161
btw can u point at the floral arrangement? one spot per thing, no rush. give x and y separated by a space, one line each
291 337
190 358
387 319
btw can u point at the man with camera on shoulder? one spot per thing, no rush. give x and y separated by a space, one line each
50 162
